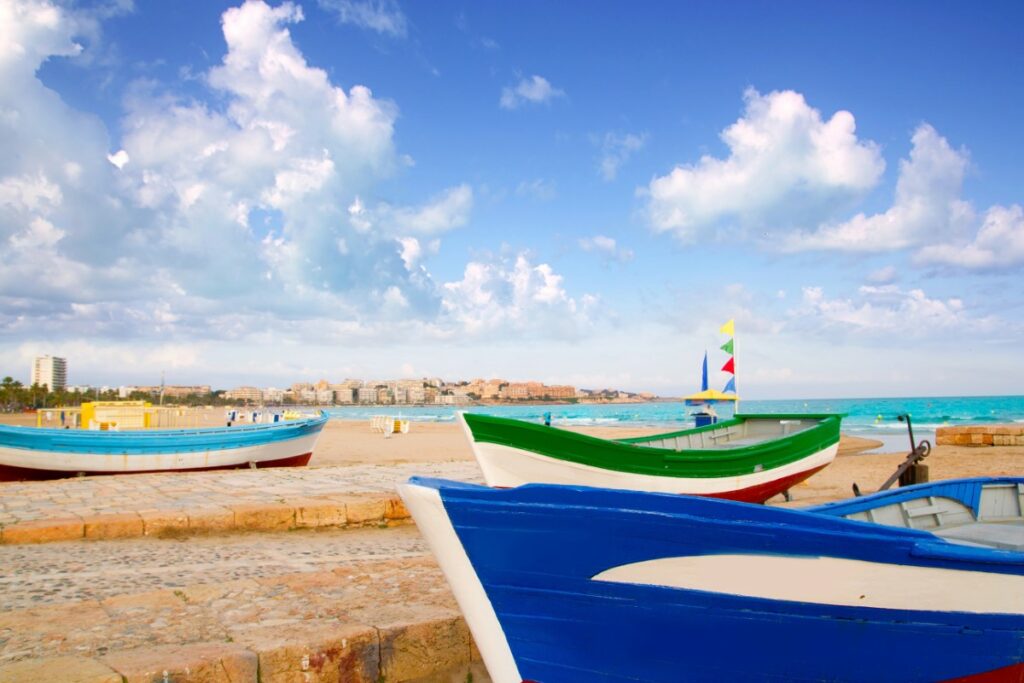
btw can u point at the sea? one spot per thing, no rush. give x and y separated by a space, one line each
873 418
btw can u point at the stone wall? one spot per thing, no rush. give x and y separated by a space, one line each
986 435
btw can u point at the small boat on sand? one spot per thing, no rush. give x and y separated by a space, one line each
749 458
560 583
35 453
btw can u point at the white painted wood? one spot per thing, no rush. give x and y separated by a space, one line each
432 520
831 581
505 466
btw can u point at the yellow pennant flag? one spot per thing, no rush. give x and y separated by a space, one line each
729 328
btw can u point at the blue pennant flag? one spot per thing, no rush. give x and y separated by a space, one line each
730 386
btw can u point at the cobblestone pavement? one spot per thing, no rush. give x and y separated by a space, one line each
33 575
364 605
175 491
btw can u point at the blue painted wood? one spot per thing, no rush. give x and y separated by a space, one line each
147 442
966 491
536 548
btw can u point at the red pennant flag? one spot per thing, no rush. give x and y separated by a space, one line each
729 366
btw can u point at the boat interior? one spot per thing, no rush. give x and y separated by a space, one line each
746 433
999 522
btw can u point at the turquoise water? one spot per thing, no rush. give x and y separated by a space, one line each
868 417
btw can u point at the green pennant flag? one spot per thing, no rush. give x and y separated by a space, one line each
727 347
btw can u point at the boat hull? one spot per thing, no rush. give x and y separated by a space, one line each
507 465
597 585
49 454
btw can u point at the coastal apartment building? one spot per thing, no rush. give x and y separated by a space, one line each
51 372
246 394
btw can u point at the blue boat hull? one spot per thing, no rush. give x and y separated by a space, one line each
536 552
32 453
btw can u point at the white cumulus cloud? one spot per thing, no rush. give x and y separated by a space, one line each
999 243
514 295
533 89
927 206
784 159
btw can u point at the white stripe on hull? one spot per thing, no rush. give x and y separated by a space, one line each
508 467
831 581
432 520
56 461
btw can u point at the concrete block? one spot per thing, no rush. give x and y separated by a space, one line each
210 520
315 651
126 525
317 512
192 663
363 509
157 522
65 669
414 650
394 509
45 530
263 516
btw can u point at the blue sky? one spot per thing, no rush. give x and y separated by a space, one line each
262 193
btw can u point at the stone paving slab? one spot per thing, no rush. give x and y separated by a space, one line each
311 605
189 503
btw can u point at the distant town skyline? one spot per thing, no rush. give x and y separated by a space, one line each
240 193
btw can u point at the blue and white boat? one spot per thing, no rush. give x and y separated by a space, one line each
561 583
35 453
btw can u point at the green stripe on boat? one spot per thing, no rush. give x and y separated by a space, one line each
742 445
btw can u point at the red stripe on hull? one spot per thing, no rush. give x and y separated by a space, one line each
1008 674
762 492
8 473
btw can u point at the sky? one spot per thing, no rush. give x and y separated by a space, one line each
259 193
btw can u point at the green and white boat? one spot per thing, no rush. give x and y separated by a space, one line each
749 458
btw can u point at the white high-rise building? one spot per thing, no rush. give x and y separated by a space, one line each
51 372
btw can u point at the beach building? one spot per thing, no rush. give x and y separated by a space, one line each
343 393
558 391
50 371
273 395
515 391
246 394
